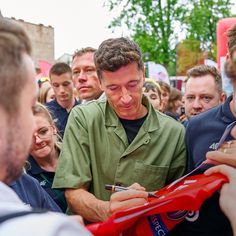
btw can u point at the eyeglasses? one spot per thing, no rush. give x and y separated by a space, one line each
44 132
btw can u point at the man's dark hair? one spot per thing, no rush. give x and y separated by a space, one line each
59 69
82 51
202 70
14 44
115 53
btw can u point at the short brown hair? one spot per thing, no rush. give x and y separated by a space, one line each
115 53
14 43
82 51
230 65
175 95
230 69
59 69
231 34
202 70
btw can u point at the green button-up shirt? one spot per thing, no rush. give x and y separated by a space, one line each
96 152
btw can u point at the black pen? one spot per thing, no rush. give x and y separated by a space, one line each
115 188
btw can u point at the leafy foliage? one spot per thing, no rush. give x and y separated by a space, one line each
202 20
151 25
156 25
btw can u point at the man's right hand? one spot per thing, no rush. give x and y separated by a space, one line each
135 196
83 203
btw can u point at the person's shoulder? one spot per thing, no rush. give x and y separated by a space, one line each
95 103
50 223
92 107
185 123
31 192
173 115
168 121
52 105
27 180
89 113
27 184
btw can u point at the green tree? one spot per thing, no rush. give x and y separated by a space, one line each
151 24
202 20
157 24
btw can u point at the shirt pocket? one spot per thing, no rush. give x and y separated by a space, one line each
151 177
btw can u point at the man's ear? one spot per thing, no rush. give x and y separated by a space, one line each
222 97
102 85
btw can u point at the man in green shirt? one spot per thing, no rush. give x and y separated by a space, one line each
121 140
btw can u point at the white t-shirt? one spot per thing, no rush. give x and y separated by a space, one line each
45 224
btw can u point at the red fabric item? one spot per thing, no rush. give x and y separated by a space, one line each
161 214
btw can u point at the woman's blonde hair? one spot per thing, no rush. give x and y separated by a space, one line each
43 92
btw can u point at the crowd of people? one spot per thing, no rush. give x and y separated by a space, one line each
101 121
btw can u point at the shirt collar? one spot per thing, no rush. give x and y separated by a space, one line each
34 168
150 124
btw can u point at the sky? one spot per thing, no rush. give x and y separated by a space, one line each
77 23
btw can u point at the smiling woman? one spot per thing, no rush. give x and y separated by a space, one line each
44 153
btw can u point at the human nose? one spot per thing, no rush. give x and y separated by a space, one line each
125 97
82 76
197 104
37 138
61 89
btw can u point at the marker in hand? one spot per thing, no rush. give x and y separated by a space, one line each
115 188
